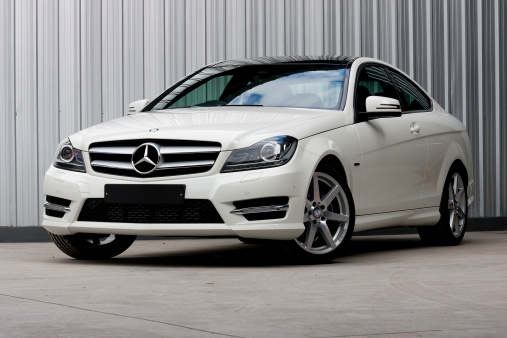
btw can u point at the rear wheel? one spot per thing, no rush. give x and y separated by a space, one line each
92 246
328 219
451 228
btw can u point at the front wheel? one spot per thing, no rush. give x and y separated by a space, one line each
451 228
92 246
328 219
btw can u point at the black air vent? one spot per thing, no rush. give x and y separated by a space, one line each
191 211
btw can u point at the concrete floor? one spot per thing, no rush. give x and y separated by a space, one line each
387 286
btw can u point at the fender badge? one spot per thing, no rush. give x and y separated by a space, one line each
154 129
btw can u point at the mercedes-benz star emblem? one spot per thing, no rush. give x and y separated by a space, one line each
145 158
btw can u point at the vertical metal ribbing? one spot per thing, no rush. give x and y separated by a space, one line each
480 112
446 55
357 27
428 48
497 108
411 38
375 28
394 59
463 64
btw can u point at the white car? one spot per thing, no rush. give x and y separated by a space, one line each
304 151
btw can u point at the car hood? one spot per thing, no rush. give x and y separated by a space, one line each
232 127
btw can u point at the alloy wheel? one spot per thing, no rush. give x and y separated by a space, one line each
326 217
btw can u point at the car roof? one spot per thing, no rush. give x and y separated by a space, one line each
342 60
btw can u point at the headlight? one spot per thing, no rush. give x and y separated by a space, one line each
272 152
68 157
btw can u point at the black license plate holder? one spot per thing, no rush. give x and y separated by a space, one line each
144 193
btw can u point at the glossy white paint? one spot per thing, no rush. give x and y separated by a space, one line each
395 167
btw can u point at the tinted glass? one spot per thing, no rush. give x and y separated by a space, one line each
413 97
306 86
373 81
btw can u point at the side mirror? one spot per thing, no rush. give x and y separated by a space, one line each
137 106
379 106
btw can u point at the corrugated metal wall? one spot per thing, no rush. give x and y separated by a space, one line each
66 65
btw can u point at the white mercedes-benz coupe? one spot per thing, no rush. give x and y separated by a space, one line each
302 151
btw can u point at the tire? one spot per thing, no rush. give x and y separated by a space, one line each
329 218
451 227
92 246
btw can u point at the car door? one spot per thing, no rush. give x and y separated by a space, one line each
393 150
438 126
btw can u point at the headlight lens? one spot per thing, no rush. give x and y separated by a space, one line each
68 157
272 152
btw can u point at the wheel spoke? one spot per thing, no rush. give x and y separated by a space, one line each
96 240
332 216
310 236
459 194
316 190
308 205
461 214
451 221
451 193
454 185
450 204
456 224
328 237
331 195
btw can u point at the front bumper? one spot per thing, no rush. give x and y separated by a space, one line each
222 189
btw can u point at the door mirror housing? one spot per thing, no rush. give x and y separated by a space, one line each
380 106
137 106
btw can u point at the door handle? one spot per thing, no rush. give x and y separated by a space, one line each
415 128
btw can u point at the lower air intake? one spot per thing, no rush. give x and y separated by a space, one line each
191 211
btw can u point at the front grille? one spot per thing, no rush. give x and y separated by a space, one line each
59 201
176 157
191 211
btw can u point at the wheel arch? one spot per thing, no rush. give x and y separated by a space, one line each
455 158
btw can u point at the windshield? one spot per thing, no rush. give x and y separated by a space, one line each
282 85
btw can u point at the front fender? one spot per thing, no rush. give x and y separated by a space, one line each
343 143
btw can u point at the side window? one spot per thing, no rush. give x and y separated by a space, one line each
413 97
373 81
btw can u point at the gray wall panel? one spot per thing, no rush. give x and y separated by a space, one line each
27 174
47 88
313 28
69 31
332 27
195 33
134 52
8 116
112 60
175 44
295 28
255 28
216 31
154 51
235 29
91 67
501 115
275 27
67 65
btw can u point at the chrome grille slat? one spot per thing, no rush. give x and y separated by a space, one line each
112 164
112 150
187 150
165 165
176 157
